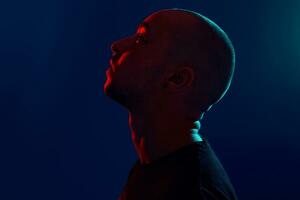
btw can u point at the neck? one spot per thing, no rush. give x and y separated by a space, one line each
156 136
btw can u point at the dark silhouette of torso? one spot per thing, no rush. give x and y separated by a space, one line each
193 172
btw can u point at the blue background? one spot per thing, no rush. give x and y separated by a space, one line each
62 138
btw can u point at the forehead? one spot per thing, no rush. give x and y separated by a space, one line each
153 21
154 24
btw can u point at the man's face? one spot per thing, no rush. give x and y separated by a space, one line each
132 75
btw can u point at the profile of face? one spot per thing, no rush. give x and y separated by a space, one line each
157 60
136 60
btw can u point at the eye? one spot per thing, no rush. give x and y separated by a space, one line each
140 38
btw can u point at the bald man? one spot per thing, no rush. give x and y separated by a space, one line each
172 70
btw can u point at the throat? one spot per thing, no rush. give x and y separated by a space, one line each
152 148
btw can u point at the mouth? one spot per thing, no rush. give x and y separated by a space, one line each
108 71
112 65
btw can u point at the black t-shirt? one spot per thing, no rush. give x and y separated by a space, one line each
192 172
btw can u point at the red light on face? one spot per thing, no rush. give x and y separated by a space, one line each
108 71
108 79
122 58
141 30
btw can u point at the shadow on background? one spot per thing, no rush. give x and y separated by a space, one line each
62 138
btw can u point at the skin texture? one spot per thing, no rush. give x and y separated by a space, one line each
167 74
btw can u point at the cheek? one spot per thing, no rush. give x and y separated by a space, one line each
123 58
138 62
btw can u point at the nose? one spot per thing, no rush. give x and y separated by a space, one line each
120 46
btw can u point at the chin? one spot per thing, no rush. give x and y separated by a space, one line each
108 83
117 94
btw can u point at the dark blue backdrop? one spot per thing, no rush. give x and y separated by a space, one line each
62 138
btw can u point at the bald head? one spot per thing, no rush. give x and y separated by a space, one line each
199 43
177 53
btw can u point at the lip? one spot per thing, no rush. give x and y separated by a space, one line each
109 69
111 64
108 72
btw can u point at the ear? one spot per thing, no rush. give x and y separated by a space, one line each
179 79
